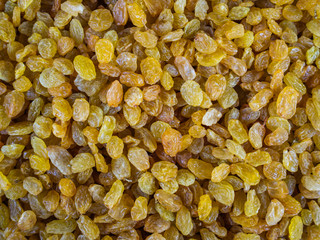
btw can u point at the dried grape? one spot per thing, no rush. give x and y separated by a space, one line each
158 119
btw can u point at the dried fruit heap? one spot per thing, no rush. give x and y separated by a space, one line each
159 119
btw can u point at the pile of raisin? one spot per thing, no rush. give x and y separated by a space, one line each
159 119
